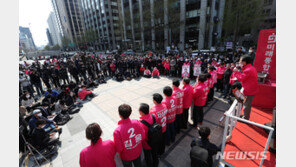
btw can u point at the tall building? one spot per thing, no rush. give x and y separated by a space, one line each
69 18
54 31
26 41
152 24
102 17
49 37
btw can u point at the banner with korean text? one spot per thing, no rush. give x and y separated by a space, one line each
265 59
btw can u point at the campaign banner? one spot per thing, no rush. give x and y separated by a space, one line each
185 70
196 69
265 58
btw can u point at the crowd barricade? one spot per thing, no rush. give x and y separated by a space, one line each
231 116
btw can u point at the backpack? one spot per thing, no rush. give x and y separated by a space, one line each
154 132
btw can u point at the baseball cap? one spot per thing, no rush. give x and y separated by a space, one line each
36 111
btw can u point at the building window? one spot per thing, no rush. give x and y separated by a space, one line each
115 18
192 13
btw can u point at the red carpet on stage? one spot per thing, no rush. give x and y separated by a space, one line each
246 137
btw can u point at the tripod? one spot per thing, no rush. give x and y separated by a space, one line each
30 148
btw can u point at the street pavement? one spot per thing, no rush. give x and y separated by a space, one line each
103 110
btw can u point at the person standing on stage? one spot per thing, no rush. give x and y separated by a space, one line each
248 79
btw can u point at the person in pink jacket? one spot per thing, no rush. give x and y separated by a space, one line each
160 111
249 81
155 73
128 137
188 92
210 82
179 94
171 103
100 153
199 100
220 70
150 152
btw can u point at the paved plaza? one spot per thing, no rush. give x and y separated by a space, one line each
103 110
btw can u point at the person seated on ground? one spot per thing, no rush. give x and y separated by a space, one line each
101 78
128 75
23 111
49 99
50 125
62 113
72 85
147 73
135 73
119 76
85 93
46 110
27 100
142 69
89 83
203 142
52 92
155 73
99 153
40 138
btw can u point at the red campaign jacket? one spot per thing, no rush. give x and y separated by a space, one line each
188 93
142 69
100 154
248 79
167 66
220 71
128 138
200 95
112 66
171 104
83 93
214 76
160 111
231 81
148 118
207 85
179 94
215 64
155 72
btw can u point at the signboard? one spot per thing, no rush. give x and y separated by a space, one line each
265 59
196 69
185 70
229 45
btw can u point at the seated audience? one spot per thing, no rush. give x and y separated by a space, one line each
155 73
84 93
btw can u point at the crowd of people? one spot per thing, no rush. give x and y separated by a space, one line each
70 81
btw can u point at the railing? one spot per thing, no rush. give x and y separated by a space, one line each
231 116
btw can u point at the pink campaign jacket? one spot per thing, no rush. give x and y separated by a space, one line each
248 79
171 104
220 71
231 81
200 95
160 111
100 154
179 94
188 93
214 76
210 83
149 119
128 138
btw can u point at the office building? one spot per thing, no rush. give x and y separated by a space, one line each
55 33
26 41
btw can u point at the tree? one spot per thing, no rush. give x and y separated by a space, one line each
47 47
240 17
65 42
56 47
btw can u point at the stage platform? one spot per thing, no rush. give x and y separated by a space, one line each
246 137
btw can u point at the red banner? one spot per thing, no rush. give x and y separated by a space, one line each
265 59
